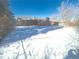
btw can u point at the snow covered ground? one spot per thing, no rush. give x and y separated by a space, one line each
23 32
50 44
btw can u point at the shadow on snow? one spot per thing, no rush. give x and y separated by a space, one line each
72 54
23 33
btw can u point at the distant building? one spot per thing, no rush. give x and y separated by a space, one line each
29 21
26 22
24 18
44 22
54 21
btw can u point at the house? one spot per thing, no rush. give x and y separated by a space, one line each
25 21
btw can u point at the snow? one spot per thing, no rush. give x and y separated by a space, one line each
23 32
55 44
23 26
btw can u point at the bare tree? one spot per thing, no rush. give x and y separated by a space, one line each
67 11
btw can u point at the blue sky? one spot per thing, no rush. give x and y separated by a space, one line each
38 8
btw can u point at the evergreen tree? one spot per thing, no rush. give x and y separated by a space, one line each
6 21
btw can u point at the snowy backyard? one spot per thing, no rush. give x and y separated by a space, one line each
39 29
43 42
